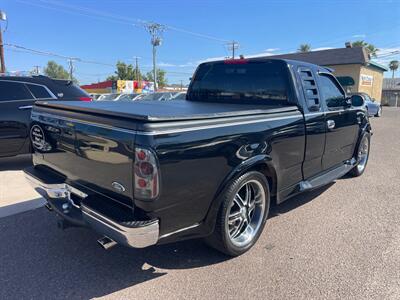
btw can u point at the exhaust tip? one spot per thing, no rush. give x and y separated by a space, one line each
106 243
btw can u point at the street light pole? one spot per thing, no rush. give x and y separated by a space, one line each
154 67
3 66
3 17
155 31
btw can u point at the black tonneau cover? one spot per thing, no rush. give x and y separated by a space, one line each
158 111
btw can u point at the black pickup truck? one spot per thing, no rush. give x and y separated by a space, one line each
250 132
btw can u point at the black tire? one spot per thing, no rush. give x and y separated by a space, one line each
221 239
379 112
357 170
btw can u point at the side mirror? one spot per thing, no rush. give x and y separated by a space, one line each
357 100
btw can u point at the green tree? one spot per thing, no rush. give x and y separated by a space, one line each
55 70
161 77
372 50
125 72
304 48
394 65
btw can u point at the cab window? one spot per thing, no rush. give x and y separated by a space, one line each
241 82
330 92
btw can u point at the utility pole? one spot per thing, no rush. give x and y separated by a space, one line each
181 85
233 46
3 17
36 70
136 69
71 67
137 73
3 66
155 31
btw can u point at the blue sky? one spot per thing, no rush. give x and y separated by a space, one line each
107 31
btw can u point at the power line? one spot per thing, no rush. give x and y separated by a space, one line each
52 54
89 12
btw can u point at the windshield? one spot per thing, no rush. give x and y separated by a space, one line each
108 97
156 96
179 96
127 97
241 81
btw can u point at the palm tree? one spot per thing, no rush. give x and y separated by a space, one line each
394 65
372 50
304 48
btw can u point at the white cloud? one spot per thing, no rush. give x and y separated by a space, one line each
188 64
164 64
321 48
210 59
185 65
272 49
361 36
262 54
267 53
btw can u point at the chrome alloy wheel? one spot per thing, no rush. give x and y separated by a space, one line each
363 152
246 214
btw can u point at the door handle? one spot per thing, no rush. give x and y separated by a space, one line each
331 124
25 107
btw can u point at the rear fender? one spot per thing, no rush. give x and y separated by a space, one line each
262 163
365 128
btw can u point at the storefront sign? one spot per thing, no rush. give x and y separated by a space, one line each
366 80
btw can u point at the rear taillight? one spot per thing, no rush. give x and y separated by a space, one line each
86 99
146 174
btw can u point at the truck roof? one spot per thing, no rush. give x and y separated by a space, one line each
264 59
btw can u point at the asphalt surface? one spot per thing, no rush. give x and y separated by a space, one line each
340 242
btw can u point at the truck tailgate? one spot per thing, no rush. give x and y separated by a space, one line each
98 158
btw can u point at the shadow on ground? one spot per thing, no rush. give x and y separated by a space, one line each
38 260
15 163
297 201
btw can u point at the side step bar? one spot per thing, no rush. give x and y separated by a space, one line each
327 177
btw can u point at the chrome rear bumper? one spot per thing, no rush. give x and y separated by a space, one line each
137 234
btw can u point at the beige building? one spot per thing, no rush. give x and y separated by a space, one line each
348 62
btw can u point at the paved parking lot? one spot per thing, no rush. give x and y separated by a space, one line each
339 242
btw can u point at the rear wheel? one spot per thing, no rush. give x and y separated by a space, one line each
242 215
362 155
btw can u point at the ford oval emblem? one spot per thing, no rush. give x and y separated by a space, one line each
118 187
37 137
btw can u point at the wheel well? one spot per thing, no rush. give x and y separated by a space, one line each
264 169
270 174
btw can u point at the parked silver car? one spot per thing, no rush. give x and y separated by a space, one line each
373 107
107 97
158 96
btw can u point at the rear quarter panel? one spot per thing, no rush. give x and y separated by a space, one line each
194 163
